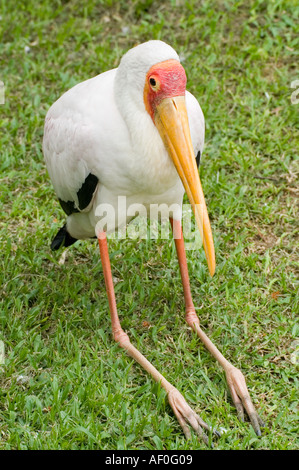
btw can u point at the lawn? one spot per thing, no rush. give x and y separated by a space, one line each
64 383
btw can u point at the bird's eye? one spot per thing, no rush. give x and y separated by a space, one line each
153 82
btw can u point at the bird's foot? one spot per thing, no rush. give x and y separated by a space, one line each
186 416
240 396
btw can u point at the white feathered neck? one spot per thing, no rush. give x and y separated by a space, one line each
149 159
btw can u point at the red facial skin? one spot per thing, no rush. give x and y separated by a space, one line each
170 78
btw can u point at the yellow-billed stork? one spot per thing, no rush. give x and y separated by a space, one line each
134 132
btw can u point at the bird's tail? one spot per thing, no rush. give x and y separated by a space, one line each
63 238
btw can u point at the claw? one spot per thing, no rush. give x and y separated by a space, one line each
240 395
186 416
217 433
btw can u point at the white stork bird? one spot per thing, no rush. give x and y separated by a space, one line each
134 131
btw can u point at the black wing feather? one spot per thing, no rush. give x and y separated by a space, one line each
198 158
85 195
62 238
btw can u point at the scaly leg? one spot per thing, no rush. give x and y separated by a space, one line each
235 378
185 415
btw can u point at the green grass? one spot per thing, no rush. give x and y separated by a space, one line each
65 384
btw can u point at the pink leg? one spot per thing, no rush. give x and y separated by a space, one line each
185 415
235 379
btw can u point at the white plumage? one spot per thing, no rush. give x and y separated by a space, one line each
101 126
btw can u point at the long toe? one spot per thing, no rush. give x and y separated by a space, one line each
187 417
241 398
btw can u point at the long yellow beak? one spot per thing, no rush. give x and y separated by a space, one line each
171 120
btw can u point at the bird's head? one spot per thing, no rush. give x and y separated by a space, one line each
157 71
